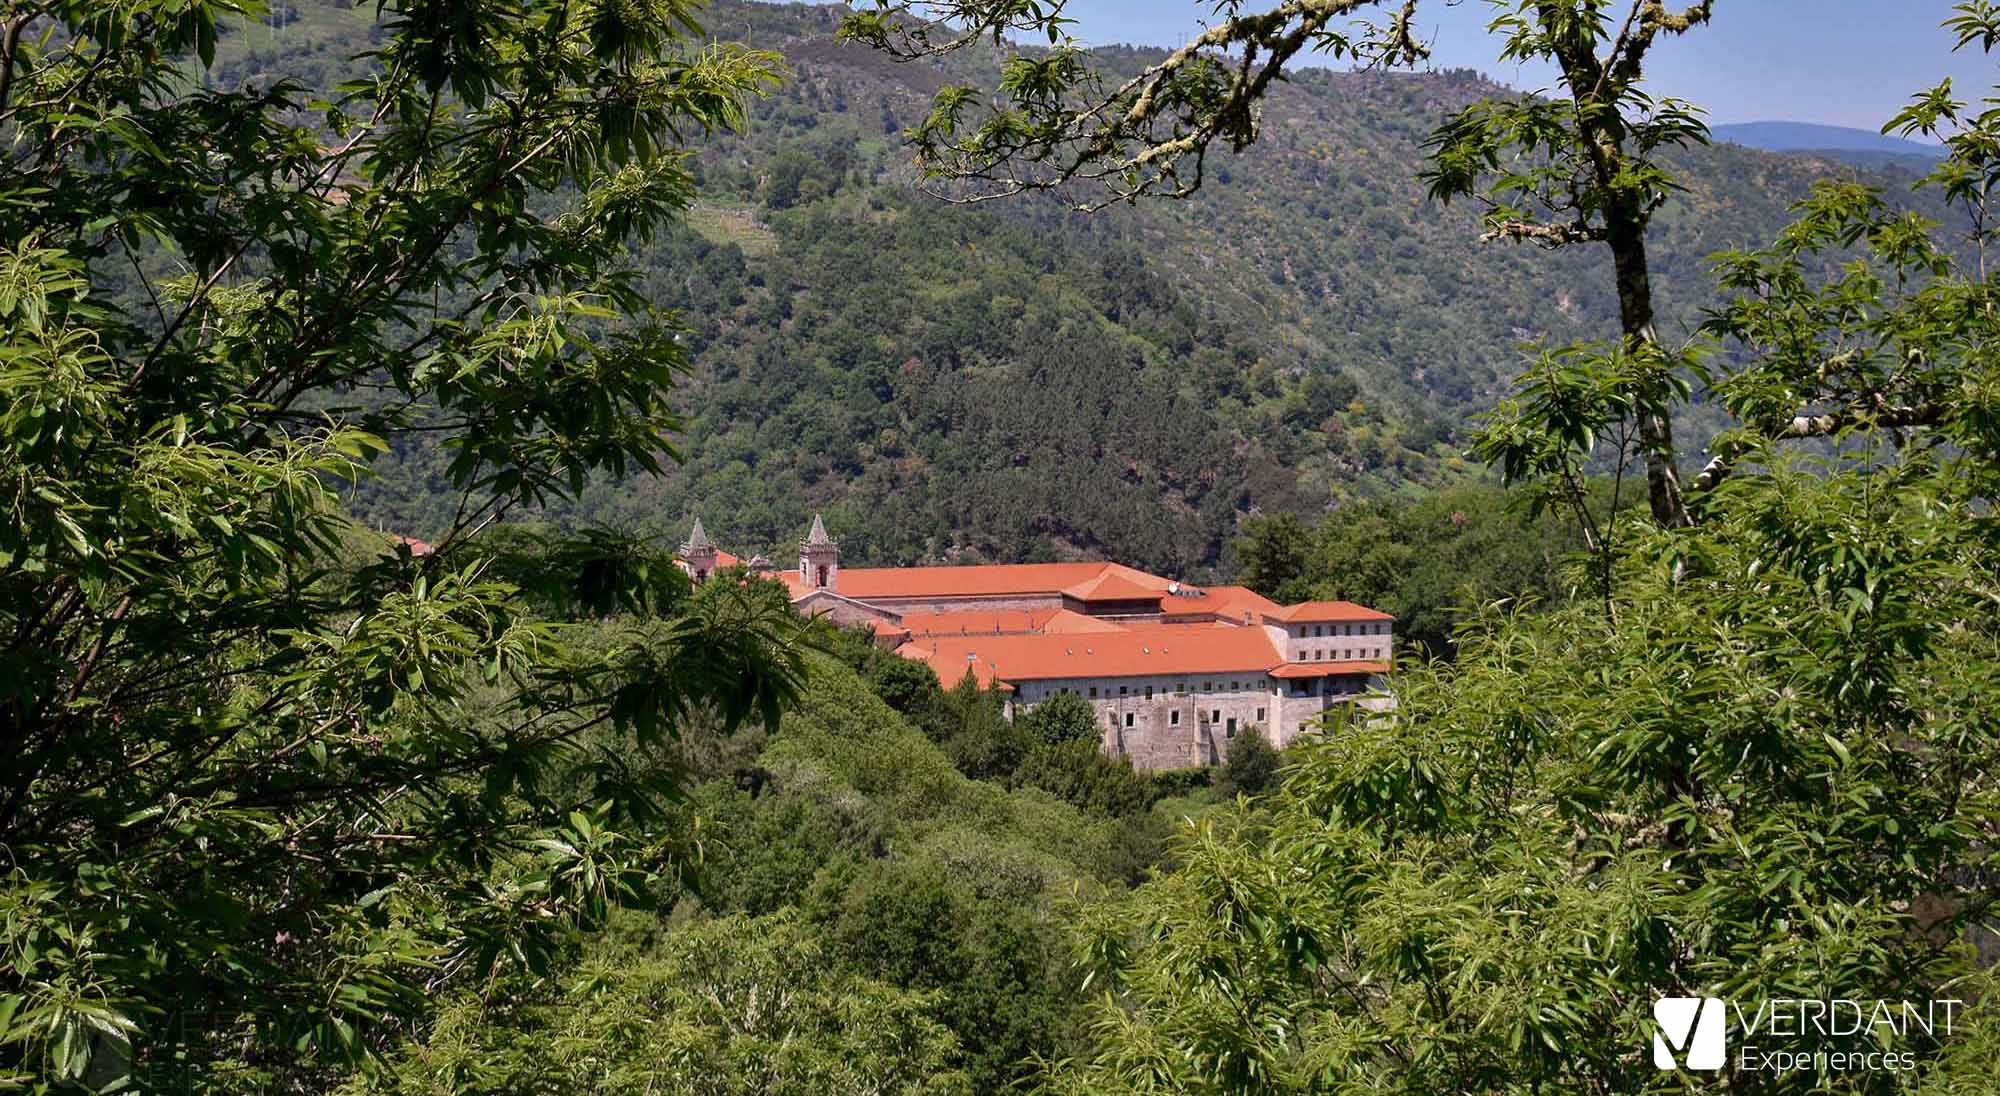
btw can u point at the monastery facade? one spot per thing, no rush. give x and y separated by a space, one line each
1173 671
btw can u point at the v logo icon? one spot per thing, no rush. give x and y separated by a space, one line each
1690 1029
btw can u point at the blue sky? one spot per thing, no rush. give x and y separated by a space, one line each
1841 62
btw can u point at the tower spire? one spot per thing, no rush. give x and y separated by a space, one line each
697 540
819 558
699 552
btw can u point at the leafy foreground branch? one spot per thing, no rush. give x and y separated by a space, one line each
1487 891
266 787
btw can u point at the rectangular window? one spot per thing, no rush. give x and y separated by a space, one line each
1260 715
1180 688
1215 716
1174 718
1093 692
1149 692
1122 690
1128 719
1231 732
1208 686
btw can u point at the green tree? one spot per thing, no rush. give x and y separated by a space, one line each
1271 553
1064 717
1077 772
735 1005
905 684
264 792
1249 766
997 964
1433 562
1484 890
969 722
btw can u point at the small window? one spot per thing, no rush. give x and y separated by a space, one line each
1180 688
1174 718
1122 690
1208 686
1215 716
1149 692
1093 692
1231 732
1260 715
1128 719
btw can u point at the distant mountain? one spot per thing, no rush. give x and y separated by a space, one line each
1863 147
1014 382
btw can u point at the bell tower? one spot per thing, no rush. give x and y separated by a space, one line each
819 559
698 553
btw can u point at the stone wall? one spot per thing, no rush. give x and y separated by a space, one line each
1183 722
1012 603
1159 726
842 611
1366 641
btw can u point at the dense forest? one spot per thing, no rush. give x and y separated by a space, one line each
1014 383
1687 518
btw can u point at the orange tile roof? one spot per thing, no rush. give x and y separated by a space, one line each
1321 611
1129 652
1328 669
1111 586
977 622
1230 601
1004 622
1067 622
986 580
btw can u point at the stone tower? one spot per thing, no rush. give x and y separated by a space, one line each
819 559
698 553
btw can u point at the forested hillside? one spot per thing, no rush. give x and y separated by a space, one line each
864 916
1014 382
289 806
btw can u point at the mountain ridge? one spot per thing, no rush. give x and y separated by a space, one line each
1017 383
1862 148
1787 136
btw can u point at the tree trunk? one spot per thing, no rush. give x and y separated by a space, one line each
1626 236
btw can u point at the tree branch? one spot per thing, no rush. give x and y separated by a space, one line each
1820 426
